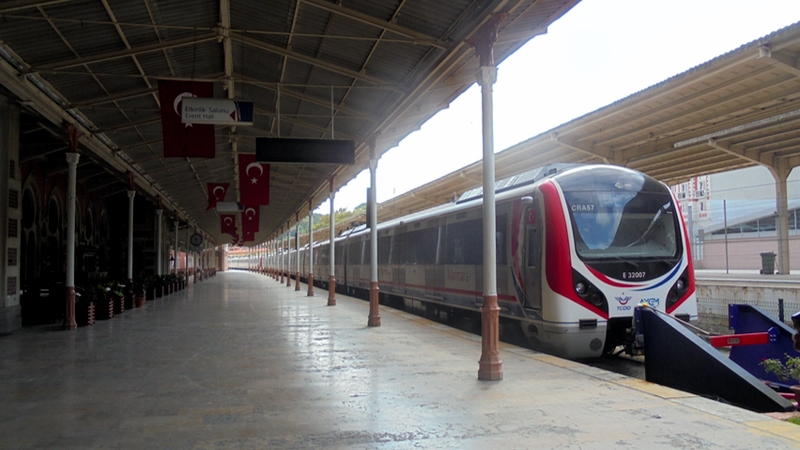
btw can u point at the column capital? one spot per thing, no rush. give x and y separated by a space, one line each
72 158
131 193
486 76
159 212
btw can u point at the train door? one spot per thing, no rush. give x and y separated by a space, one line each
532 267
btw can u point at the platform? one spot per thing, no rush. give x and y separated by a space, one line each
241 361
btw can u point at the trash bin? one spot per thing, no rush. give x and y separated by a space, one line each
767 263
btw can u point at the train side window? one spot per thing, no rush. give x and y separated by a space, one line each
354 252
384 249
421 246
500 239
464 243
533 247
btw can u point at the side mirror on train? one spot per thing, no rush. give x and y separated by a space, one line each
527 200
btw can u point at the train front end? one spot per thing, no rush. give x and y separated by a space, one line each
615 240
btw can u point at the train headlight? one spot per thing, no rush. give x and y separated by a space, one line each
580 288
597 299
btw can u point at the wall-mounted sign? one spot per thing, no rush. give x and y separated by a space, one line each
217 111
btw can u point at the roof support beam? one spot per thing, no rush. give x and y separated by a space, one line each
125 53
369 20
25 4
554 137
115 97
766 160
312 61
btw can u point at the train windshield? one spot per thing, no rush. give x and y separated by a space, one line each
620 214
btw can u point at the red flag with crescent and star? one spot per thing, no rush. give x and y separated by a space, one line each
227 224
216 193
250 219
183 139
253 181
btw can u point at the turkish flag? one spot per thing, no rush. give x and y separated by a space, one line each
183 139
227 224
248 236
253 181
250 219
216 193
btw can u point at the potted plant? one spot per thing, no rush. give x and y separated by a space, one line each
84 308
139 292
150 287
116 292
104 305
158 282
788 370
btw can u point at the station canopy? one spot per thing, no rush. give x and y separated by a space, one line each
738 110
360 70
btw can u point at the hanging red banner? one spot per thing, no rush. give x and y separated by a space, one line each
253 181
184 140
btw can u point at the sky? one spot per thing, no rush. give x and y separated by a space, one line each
599 52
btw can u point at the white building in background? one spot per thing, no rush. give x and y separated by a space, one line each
745 200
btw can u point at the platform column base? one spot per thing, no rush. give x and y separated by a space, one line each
331 290
288 280
490 367
374 311
69 316
310 285
297 281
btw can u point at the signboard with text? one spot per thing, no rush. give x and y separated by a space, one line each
217 111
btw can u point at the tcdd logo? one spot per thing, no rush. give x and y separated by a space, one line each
622 300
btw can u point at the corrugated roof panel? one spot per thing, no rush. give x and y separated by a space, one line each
395 61
34 41
275 15
154 64
197 61
431 18
76 87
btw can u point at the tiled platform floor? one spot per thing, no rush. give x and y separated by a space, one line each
240 361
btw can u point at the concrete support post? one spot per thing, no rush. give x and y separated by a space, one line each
310 250
490 367
279 244
186 274
332 261
176 255
131 195
781 174
374 319
159 214
297 251
69 318
288 256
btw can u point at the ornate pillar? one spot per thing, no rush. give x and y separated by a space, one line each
69 317
332 273
310 250
159 213
374 319
297 251
131 195
177 255
288 255
279 255
188 230
490 365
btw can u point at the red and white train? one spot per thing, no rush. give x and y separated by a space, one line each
578 247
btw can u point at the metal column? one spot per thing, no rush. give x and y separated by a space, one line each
69 318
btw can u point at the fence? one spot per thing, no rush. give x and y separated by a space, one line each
713 312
